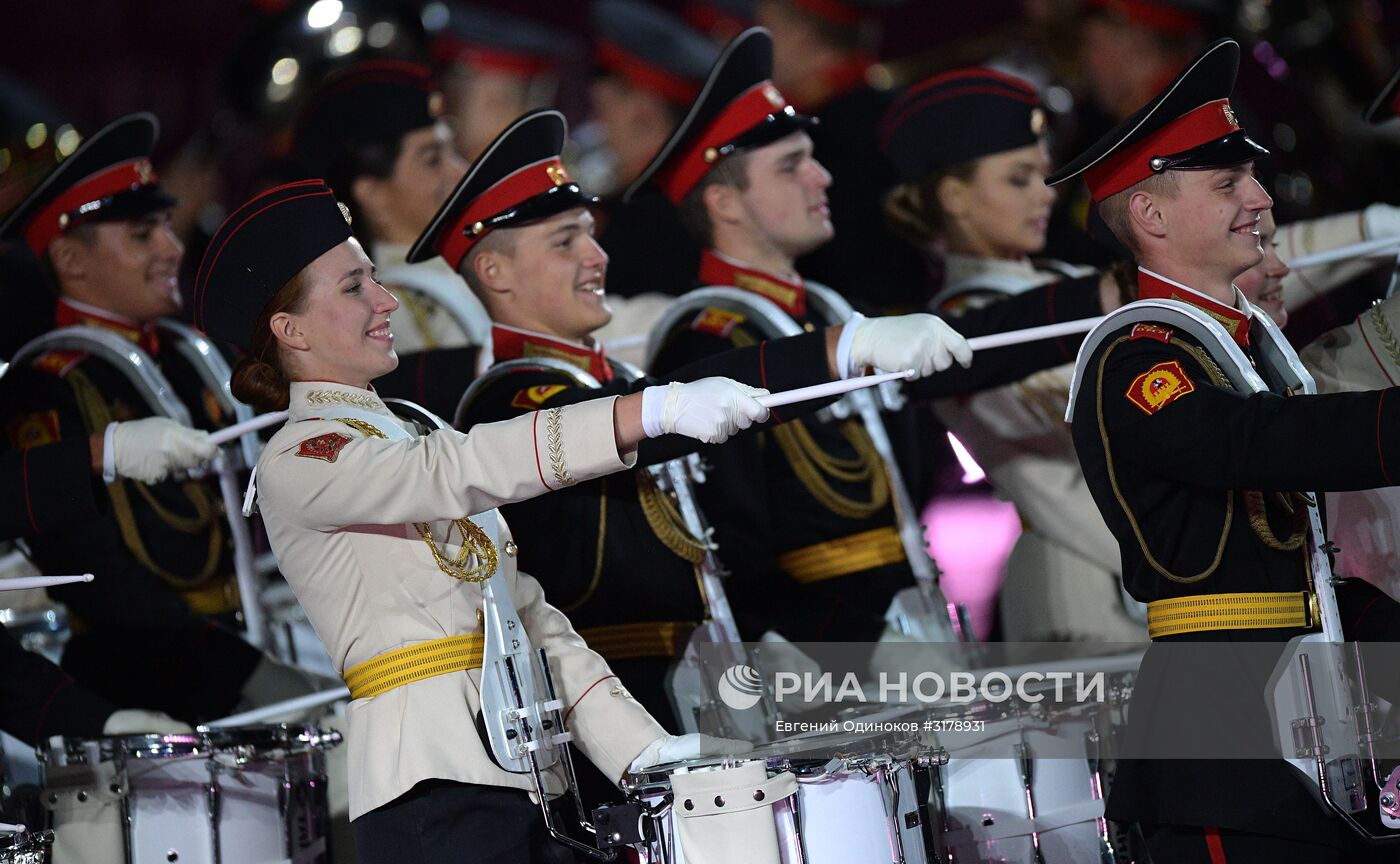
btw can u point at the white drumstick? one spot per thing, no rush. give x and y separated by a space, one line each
1031 334
830 388
24 583
7 828
230 433
1378 248
277 709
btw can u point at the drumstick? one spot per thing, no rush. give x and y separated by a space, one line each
830 388
229 433
7 828
1378 248
1031 334
23 583
276 709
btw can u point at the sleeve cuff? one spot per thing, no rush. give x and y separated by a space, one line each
109 455
843 346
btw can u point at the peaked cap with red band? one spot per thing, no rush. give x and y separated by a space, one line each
376 102
651 48
490 40
737 108
958 116
109 177
1189 125
257 250
1387 102
518 180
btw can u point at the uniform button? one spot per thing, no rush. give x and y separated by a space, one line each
511 548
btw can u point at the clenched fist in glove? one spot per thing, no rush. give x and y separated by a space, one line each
922 342
708 410
150 450
675 748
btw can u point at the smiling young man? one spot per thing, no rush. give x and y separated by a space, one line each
1206 485
145 630
822 557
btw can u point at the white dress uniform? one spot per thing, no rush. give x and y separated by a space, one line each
1365 525
1062 579
340 505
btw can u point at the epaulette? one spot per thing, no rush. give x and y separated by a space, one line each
58 363
1151 331
718 322
533 398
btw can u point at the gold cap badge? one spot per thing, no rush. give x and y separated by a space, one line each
344 212
774 97
557 174
1229 114
1037 121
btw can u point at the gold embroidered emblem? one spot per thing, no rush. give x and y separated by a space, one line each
1037 121
557 175
1160 386
144 172
773 96
554 434
1229 114
332 397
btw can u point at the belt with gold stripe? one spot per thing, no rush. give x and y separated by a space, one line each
642 639
1254 611
844 555
414 663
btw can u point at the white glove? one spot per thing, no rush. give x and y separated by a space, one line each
922 342
134 721
675 748
1380 220
150 450
708 410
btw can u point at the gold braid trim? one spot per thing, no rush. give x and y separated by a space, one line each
1212 370
666 521
812 465
474 540
554 435
334 397
96 415
1385 334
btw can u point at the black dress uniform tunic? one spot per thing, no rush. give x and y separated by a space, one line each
806 505
613 563
162 552
1201 486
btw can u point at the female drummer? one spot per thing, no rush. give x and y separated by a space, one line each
369 527
969 146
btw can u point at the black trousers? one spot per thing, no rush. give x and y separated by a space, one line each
439 821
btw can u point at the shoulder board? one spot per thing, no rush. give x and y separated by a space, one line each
1151 331
532 398
33 430
718 322
58 363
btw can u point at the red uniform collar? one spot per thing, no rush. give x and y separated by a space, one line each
1151 286
791 295
508 343
70 313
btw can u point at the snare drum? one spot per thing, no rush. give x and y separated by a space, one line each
789 810
247 795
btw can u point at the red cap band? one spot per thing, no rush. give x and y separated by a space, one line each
1159 17
690 167
647 75
61 212
1128 166
447 49
457 239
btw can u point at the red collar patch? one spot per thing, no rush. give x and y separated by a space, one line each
790 295
145 337
1235 322
508 344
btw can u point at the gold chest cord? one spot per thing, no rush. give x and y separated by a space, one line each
474 540
96 415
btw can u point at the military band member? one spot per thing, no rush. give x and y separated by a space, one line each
1199 482
827 561
145 633
369 525
375 130
625 568
970 150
